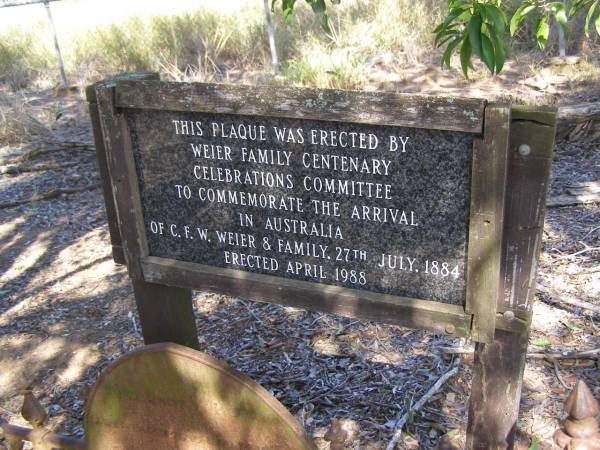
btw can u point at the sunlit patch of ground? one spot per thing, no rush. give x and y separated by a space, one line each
66 311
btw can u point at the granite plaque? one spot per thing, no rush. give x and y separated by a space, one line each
369 207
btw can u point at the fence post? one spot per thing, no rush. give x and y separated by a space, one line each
61 68
498 366
166 313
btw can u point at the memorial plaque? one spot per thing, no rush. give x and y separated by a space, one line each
362 204
167 396
419 211
377 208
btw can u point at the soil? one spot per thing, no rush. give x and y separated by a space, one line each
66 310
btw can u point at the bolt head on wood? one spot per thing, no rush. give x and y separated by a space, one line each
509 315
580 403
450 329
524 149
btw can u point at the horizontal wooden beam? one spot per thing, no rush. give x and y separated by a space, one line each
413 313
377 108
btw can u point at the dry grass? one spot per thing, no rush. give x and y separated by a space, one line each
17 122
22 58
207 43
212 43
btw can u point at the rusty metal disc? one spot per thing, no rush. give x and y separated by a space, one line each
166 396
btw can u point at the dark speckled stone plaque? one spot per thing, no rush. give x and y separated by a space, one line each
376 208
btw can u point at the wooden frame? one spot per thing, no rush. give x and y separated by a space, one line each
490 124
512 155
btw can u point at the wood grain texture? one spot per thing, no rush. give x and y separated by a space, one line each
488 184
528 180
123 180
498 366
109 202
378 108
497 380
414 313
101 156
166 314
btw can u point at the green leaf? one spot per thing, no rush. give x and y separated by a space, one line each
572 328
465 55
287 7
597 24
498 20
452 14
542 342
447 37
589 16
541 31
534 444
444 35
575 7
559 12
474 31
319 8
487 53
518 16
499 50
447 56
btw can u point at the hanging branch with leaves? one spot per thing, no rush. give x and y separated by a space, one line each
318 6
478 27
473 27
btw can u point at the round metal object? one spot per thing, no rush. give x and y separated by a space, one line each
450 329
524 149
509 315
166 396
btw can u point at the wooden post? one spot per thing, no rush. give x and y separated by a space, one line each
61 68
498 366
109 202
166 313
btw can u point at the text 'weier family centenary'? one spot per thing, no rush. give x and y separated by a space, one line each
377 208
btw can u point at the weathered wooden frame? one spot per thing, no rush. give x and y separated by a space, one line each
505 235
490 123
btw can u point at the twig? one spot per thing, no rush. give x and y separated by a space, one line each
14 169
587 249
590 232
593 353
568 299
57 147
583 354
457 350
557 372
48 195
579 112
401 421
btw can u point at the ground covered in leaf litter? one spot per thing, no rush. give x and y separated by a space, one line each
66 310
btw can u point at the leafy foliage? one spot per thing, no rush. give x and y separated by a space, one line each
478 27
319 7
473 27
